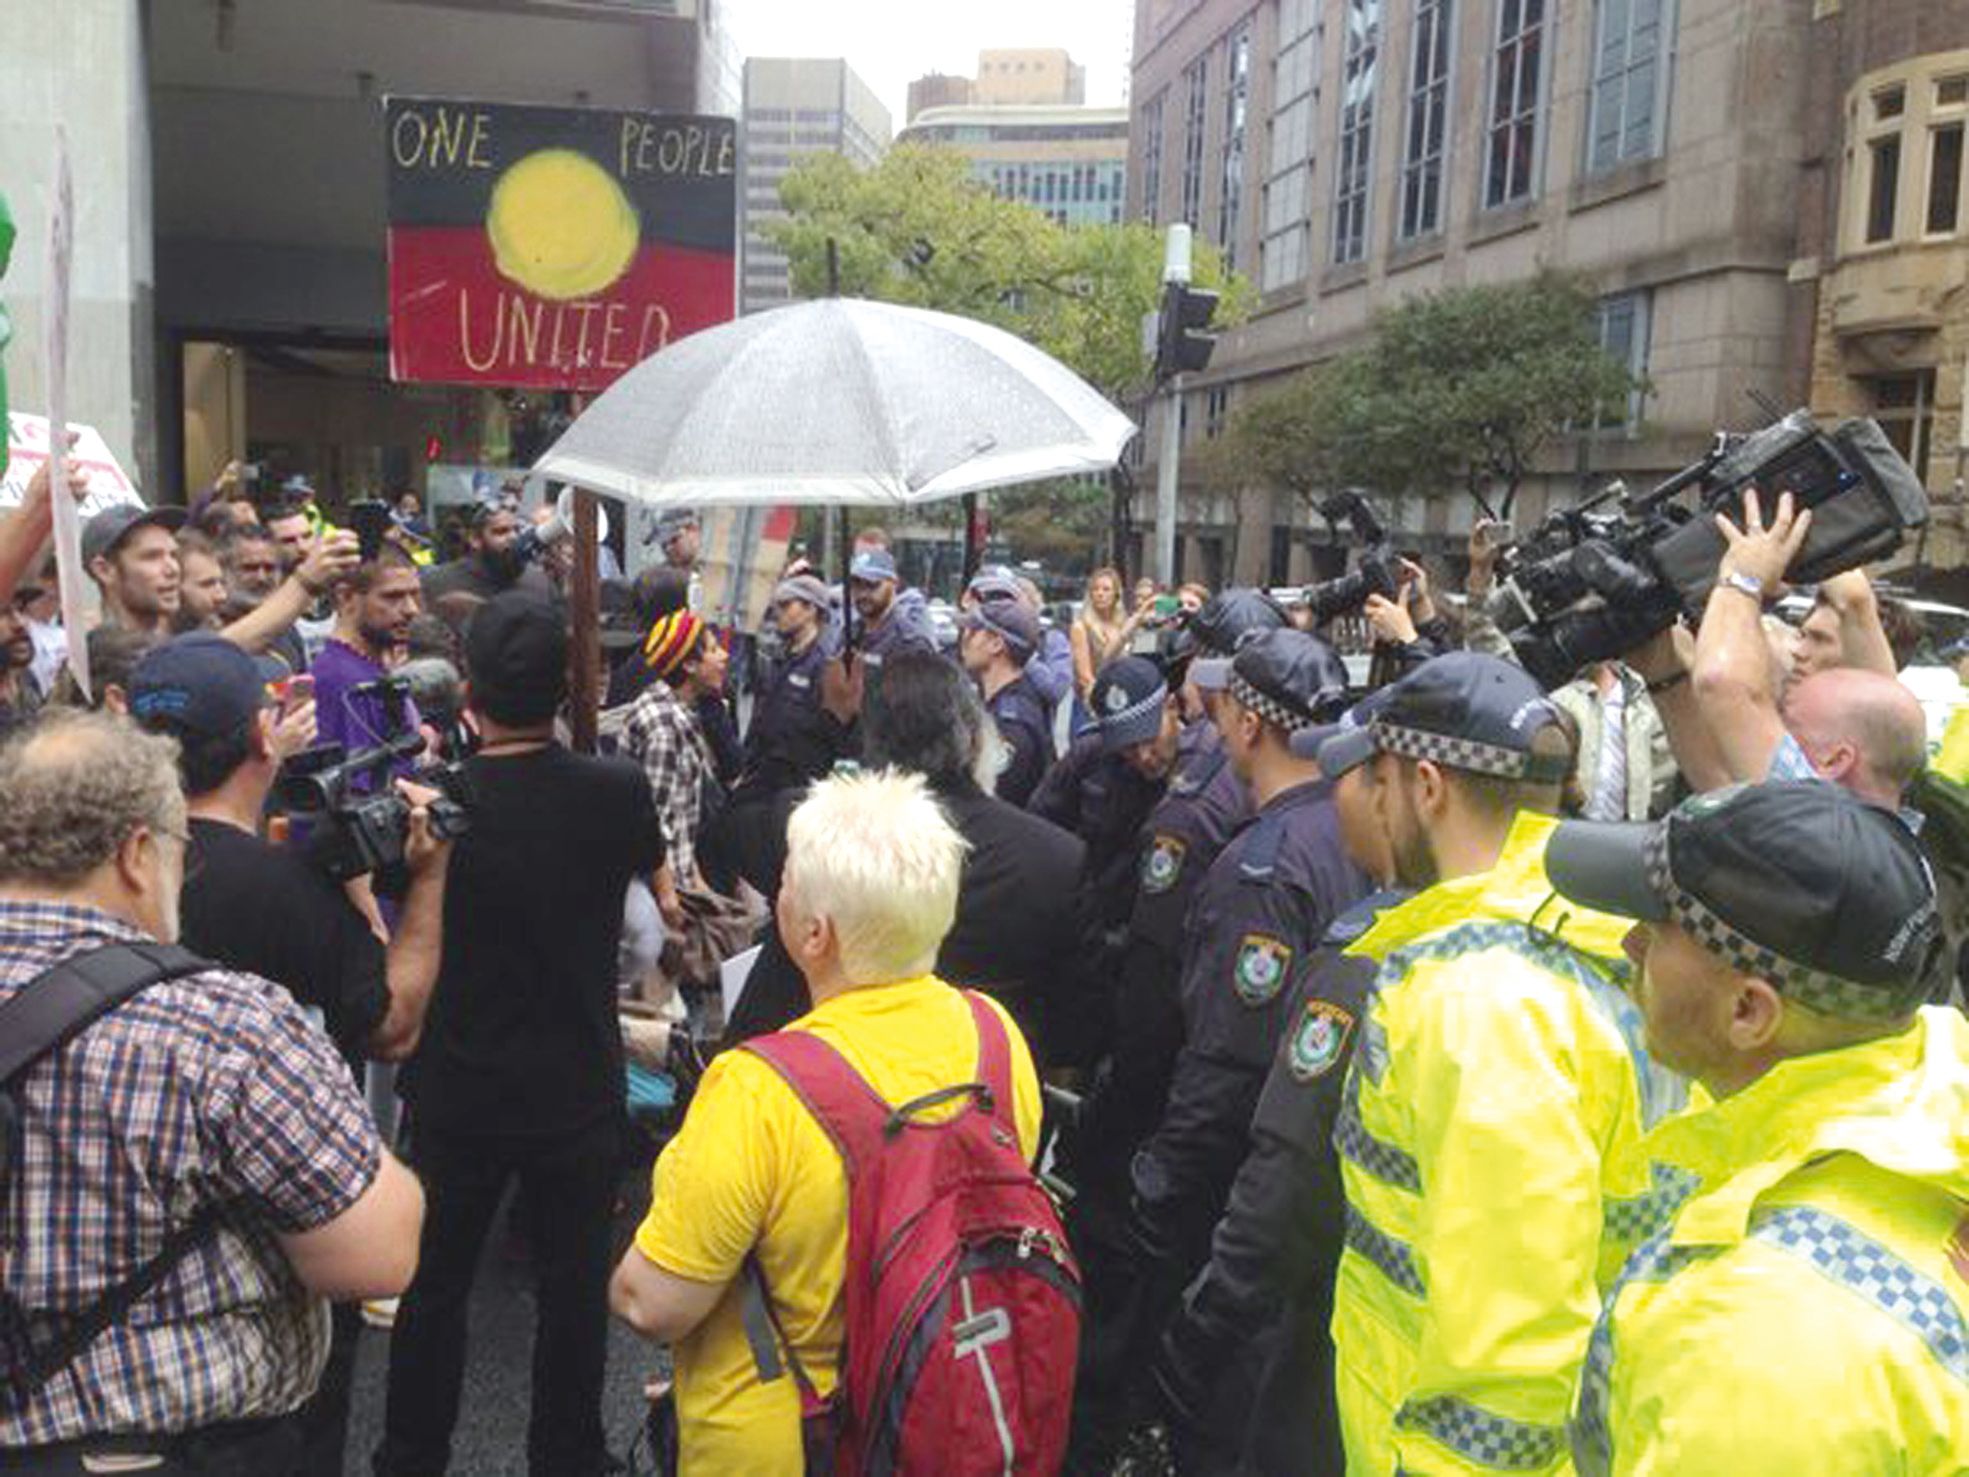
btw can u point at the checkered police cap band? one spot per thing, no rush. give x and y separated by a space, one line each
1129 714
1453 752
1268 708
1814 989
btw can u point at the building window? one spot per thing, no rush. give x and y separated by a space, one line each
1904 404
1352 178
1288 164
1890 103
1623 323
1517 97
1883 187
1237 101
1944 179
1196 78
1216 408
1152 158
1428 121
1629 81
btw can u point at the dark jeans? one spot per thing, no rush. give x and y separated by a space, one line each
324 1420
566 1192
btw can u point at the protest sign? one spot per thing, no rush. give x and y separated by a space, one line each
553 248
27 449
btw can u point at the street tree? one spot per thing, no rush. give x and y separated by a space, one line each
1458 389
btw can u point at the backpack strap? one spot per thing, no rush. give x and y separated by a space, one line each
66 999
994 1056
850 1111
46 1014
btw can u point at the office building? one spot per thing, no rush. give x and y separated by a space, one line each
1070 162
795 107
1347 154
1029 76
1883 245
230 168
938 90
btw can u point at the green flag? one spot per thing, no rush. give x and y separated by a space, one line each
6 323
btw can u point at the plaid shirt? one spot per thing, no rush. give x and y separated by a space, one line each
211 1088
663 736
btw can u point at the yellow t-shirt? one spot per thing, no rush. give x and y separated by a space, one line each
751 1167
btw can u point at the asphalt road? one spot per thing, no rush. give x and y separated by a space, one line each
491 1436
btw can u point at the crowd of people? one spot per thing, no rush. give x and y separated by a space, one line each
1152 1047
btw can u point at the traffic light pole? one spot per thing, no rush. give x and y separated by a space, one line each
1167 470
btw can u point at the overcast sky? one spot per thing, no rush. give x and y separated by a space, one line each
890 43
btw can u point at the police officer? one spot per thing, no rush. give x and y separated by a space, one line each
998 637
1244 1373
1263 908
1109 780
779 750
1805 1311
1487 1125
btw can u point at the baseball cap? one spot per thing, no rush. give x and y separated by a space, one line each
1465 711
1010 619
1127 699
805 588
1799 883
1289 678
673 521
872 566
994 582
516 653
199 685
1307 742
102 533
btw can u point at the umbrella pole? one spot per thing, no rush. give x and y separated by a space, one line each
847 590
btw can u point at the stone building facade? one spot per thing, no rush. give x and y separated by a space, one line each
1881 279
1349 153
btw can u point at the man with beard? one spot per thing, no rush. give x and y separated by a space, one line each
250 559
201 585
374 607
492 564
893 619
19 697
131 552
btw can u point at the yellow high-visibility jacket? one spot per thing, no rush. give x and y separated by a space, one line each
1806 1314
1489 1140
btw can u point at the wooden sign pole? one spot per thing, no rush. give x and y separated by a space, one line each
585 611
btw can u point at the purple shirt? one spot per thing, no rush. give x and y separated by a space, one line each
355 721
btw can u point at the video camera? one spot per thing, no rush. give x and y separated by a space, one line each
1378 571
356 827
1594 581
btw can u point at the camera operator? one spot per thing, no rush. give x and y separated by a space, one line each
1729 718
263 909
519 1073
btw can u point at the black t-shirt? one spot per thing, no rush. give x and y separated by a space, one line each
522 1034
262 909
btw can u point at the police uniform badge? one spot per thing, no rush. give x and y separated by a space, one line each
1318 1040
1262 963
1162 863
1117 700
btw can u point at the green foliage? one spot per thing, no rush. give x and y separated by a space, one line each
917 228
1457 389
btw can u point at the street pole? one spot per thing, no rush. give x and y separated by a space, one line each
1175 270
1167 470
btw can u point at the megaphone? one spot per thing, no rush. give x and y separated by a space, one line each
551 530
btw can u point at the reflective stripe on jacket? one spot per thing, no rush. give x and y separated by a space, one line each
1489 1140
1807 1313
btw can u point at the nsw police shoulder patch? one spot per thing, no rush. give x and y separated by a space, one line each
1262 965
1318 1041
1162 863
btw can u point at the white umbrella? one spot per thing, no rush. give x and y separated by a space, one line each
838 401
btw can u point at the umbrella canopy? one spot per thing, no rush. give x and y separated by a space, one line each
838 401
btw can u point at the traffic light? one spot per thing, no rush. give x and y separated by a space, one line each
1181 346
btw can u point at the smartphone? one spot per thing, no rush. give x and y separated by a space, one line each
294 693
1166 606
370 518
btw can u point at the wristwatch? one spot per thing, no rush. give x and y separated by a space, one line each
1744 584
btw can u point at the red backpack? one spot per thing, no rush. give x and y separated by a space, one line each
963 1301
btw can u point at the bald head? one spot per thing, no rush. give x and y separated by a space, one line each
1862 730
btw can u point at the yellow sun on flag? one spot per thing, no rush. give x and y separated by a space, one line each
560 227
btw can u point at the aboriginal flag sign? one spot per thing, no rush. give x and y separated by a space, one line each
553 248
